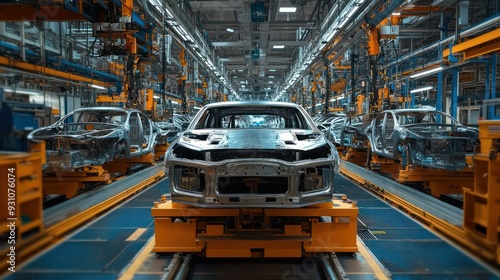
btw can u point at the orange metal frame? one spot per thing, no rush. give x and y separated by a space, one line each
17 64
160 151
435 181
73 183
484 44
438 182
355 156
122 165
182 228
482 200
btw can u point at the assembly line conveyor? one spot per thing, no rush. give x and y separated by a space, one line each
104 248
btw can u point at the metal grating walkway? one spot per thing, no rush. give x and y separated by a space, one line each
103 248
405 247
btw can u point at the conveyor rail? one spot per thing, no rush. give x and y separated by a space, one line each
118 245
180 265
108 194
439 215
62 218
420 201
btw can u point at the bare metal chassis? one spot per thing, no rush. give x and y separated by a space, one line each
211 197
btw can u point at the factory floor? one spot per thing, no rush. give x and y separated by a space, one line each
118 244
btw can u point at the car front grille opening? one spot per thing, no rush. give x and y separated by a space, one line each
252 185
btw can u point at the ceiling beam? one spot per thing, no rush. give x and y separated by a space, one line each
295 23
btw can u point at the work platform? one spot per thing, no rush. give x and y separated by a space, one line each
256 232
120 244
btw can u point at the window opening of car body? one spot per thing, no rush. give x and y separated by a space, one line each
252 117
253 121
146 131
377 130
115 117
389 129
135 131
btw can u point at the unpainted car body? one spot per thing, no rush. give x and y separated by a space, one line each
422 137
353 133
251 154
94 136
168 131
335 130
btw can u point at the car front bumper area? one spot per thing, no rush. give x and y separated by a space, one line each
251 182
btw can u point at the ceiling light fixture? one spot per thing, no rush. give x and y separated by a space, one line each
288 9
230 30
22 91
272 70
421 89
426 72
278 46
98 87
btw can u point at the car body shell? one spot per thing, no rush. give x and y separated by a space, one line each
335 130
168 131
94 136
251 154
422 137
353 133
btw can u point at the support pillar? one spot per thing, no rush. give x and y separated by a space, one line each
454 92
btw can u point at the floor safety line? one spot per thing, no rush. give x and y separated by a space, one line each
139 259
380 272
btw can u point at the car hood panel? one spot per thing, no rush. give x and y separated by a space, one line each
252 139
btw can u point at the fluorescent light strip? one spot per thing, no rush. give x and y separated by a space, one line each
278 46
421 89
426 72
22 91
288 9
97 87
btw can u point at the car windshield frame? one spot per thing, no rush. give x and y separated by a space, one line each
116 117
282 117
419 118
